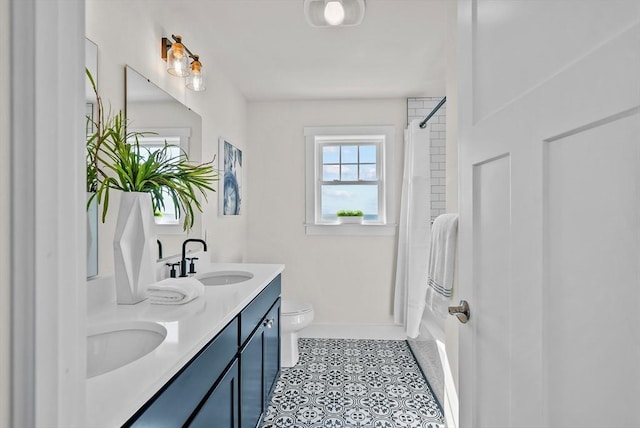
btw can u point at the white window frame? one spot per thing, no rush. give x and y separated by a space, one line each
319 136
172 227
351 140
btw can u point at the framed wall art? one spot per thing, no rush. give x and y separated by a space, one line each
230 166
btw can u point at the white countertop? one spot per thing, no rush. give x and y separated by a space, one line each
113 397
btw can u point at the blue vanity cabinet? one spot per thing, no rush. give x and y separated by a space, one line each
260 356
252 316
221 409
271 351
252 403
175 403
227 384
260 364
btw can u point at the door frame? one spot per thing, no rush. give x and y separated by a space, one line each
47 264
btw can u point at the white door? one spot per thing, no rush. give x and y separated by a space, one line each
549 96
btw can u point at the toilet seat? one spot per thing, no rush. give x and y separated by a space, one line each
290 307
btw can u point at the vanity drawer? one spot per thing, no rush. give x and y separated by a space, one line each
252 315
172 405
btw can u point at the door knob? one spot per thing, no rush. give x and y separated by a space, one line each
461 312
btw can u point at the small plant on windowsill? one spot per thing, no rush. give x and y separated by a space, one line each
350 216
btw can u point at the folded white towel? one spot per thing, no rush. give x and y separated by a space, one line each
442 256
175 291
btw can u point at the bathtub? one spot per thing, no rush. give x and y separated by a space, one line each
429 350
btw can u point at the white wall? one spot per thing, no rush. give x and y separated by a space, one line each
5 261
136 42
348 279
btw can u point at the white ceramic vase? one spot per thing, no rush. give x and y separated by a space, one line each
134 248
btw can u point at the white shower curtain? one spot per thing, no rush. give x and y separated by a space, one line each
414 230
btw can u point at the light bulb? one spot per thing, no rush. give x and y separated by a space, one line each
334 12
196 80
177 61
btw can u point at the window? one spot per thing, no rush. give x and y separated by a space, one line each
349 168
154 140
350 179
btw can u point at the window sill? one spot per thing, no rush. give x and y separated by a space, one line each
351 229
169 229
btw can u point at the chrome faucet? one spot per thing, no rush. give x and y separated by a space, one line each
183 260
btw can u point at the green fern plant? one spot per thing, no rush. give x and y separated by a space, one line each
116 160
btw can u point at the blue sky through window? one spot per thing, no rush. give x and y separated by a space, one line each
350 197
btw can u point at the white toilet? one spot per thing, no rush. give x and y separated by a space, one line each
294 316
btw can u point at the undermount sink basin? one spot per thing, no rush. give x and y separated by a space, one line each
111 346
224 277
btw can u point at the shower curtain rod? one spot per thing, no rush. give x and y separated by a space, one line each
426 119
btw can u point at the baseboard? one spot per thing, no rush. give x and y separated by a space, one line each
354 331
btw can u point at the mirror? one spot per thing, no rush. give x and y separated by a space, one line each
91 62
150 109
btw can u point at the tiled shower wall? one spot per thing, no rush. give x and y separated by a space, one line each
419 108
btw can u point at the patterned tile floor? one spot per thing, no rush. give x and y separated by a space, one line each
341 383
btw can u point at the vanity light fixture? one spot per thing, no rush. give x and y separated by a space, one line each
334 13
177 56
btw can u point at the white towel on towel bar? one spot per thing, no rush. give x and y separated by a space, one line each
442 256
175 291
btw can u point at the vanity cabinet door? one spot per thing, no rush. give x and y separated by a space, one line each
260 364
271 351
253 315
252 379
221 408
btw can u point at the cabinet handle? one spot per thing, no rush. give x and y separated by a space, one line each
268 323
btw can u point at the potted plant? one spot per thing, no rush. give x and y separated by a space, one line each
116 161
350 216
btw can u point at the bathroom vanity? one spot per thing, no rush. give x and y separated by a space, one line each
216 366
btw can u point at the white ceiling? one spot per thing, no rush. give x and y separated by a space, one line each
270 52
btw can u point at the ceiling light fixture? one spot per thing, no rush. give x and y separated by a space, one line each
334 13
177 55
